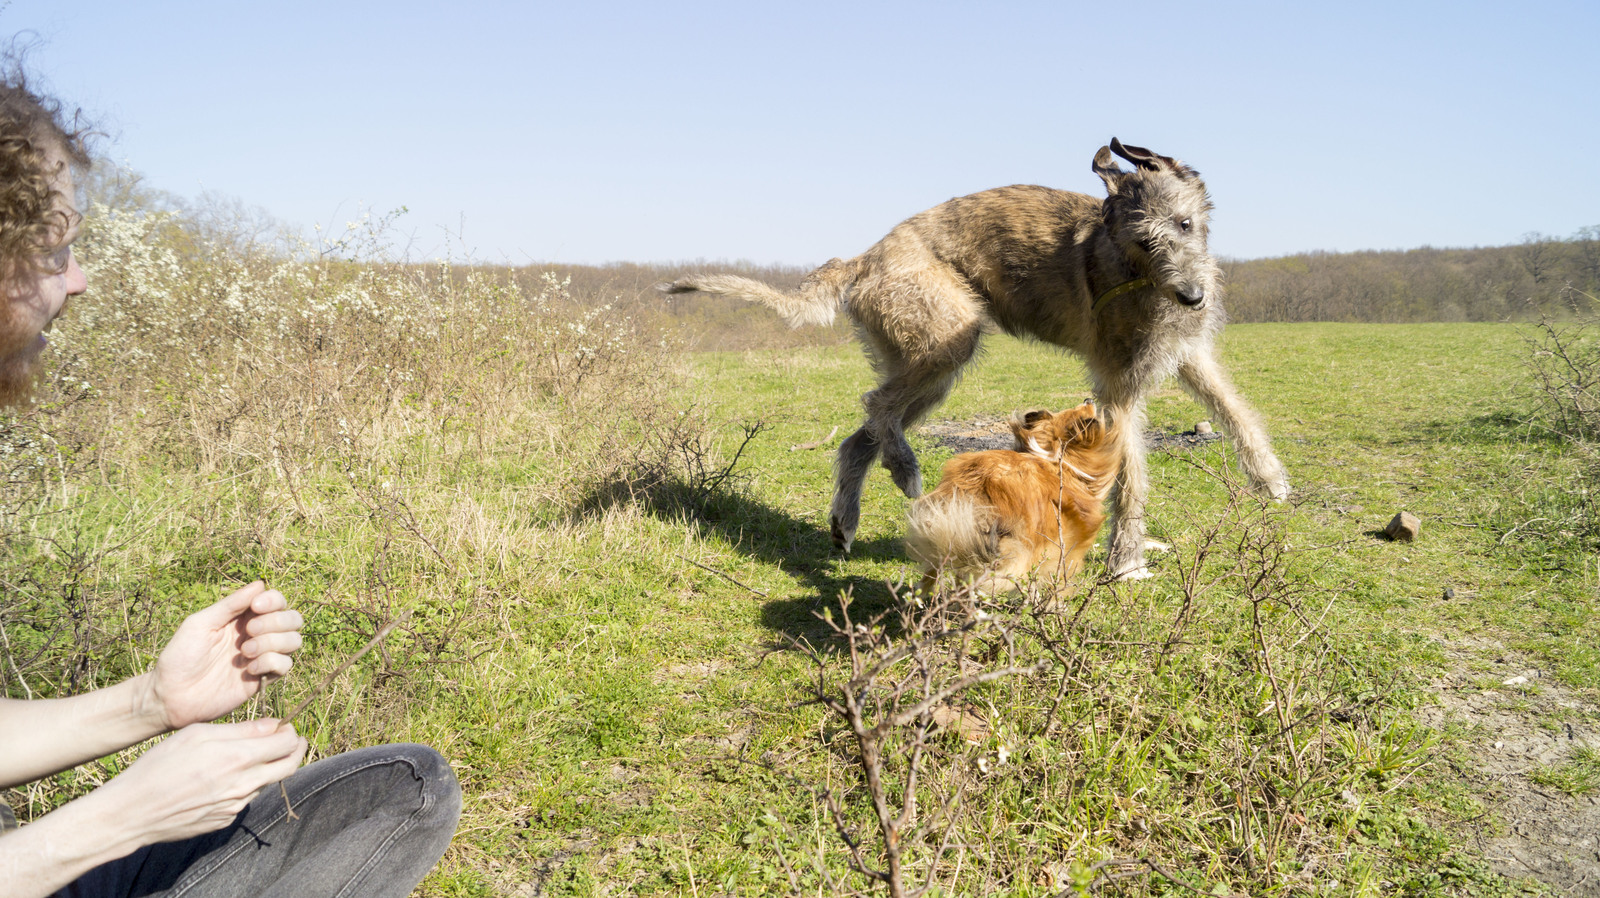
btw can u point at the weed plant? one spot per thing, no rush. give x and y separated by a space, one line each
1044 745
1564 361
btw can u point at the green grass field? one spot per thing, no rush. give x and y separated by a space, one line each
662 745
614 671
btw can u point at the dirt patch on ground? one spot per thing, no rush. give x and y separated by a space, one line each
1518 724
985 433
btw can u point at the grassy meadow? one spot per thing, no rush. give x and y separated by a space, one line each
626 628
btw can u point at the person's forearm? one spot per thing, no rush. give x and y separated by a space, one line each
45 736
49 853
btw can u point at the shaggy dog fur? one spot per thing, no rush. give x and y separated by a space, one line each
1010 513
1126 282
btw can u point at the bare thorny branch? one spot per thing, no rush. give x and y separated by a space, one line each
913 662
905 663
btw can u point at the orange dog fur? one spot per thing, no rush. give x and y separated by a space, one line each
1010 512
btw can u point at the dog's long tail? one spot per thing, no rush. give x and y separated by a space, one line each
1101 462
952 529
820 296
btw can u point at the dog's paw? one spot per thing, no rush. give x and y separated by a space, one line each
1141 572
996 586
842 539
1275 488
909 482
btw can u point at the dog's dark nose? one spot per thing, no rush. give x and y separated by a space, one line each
1191 296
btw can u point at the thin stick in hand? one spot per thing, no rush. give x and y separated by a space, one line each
328 681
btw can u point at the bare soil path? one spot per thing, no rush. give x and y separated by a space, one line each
1517 724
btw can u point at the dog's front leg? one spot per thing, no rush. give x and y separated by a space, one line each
1126 545
1210 384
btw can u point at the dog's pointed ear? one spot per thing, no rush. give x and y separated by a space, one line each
1022 423
1106 168
1024 420
1019 426
1079 423
1151 161
1142 157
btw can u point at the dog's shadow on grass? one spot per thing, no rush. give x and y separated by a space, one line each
772 535
1497 428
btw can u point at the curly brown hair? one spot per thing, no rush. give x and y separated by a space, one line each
35 141
35 144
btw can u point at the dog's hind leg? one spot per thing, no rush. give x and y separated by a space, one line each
880 435
903 397
1210 384
855 457
932 391
899 404
1126 544
920 327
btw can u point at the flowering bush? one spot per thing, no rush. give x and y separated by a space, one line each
233 358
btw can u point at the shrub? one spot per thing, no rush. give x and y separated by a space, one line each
380 435
1564 363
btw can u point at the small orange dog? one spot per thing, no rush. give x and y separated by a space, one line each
1010 512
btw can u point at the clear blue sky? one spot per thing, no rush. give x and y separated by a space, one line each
794 132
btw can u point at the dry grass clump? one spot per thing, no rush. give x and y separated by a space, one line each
288 364
1565 363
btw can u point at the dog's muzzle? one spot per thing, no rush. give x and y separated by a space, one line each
1192 297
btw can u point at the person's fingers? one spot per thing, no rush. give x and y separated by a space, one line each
264 738
217 732
230 606
285 621
277 747
281 769
279 766
272 639
271 664
269 601
280 643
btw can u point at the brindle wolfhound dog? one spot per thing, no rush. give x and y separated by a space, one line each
1127 283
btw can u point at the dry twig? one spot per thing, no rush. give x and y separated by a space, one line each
724 576
327 682
798 447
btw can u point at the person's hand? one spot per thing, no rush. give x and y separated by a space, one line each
223 655
198 779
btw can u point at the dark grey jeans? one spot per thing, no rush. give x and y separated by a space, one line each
372 822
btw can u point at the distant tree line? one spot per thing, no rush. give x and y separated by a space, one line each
1541 276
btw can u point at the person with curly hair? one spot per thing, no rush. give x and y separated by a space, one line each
37 227
214 809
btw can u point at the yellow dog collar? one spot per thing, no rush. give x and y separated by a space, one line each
1120 289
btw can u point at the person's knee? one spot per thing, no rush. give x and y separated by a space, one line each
441 792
